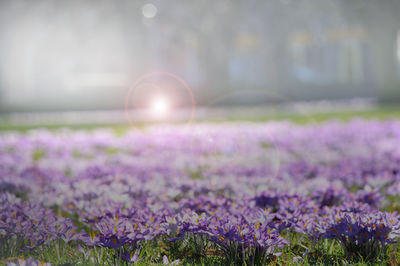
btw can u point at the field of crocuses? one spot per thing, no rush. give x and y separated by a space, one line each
222 194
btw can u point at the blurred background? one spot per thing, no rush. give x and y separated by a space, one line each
88 55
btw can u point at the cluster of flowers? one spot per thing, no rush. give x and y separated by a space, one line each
241 188
240 238
361 233
27 262
30 225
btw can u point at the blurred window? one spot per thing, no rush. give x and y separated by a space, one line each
398 52
335 57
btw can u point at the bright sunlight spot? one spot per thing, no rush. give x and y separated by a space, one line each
160 106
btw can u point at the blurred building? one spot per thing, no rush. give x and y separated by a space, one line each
86 54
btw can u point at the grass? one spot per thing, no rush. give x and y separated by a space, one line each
299 252
326 252
381 113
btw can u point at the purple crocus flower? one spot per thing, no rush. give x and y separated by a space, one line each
132 257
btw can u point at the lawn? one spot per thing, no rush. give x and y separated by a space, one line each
381 113
282 189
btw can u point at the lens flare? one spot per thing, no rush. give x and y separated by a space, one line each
149 10
152 81
160 106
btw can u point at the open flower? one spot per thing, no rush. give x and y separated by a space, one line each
28 262
362 233
132 257
167 262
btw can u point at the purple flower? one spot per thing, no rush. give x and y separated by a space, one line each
112 241
361 233
167 262
28 262
132 257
